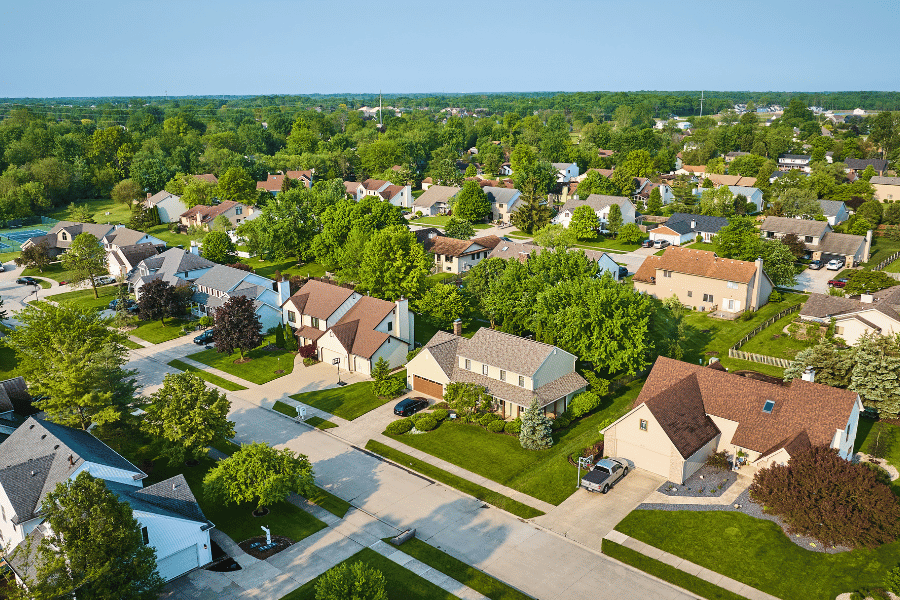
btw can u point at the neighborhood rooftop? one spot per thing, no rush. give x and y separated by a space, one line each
702 263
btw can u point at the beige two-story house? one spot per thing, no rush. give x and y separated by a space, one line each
503 202
203 216
512 369
458 256
820 240
702 280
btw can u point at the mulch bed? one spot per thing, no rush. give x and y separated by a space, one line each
280 542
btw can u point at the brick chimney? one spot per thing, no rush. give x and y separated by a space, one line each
457 327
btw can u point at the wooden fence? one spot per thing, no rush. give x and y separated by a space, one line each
736 352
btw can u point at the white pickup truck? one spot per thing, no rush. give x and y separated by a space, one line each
605 473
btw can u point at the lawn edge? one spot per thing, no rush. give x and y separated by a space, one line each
207 377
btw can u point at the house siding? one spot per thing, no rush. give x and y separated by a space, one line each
679 284
171 209
425 366
693 463
650 450
393 350
851 329
169 536
556 365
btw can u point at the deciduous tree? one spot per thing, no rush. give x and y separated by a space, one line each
237 185
127 191
585 222
614 219
36 256
86 259
442 304
472 203
160 299
794 244
237 326
356 581
631 233
394 265
218 247
458 228
555 235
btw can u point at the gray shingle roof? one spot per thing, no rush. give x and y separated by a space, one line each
840 243
14 396
801 227
859 164
823 306
506 351
171 498
831 208
596 201
885 180
442 347
222 278
436 194
498 195
681 223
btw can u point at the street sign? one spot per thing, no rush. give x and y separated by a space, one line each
335 361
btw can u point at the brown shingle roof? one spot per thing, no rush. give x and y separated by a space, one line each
452 247
823 306
840 243
319 299
208 213
801 227
701 263
680 412
356 329
817 409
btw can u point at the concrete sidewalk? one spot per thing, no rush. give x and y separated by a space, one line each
688 567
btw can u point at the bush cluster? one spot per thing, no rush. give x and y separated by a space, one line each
513 427
399 427
719 460
440 414
561 422
441 404
496 426
488 418
309 361
426 423
584 403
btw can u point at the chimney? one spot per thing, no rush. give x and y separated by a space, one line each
149 195
866 298
868 246
757 279
402 327
195 249
284 290
809 375
457 327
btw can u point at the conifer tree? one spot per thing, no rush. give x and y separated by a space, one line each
536 429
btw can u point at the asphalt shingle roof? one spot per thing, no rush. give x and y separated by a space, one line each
701 263
831 208
506 351
681 223
436 194
596 201
801 227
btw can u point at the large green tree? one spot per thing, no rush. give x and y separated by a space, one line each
458 228
160 299
75 360
442 304
218 247
394 265
370 214
351 581
187 417
740 240
92 547
584 223
237 185
472 203
86 259
555 235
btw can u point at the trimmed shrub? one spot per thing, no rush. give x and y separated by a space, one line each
426 423
399 426
309 361
883 476
513 427
584 403
440 414
390 387
775 296
496 426
561 422
307 351
821 495
487 419
415 418
440 404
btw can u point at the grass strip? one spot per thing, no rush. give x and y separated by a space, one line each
131 345
689 582
464 485
329 502
320 423
285 409
226 447
456 569
210 377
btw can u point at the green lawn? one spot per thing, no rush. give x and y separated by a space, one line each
455 481
9 362
784 346
131 345
349 401
757 552
542 474
210 377
54 271
608 243
118 213
701 246
156 333
329 502
516 234
6 257
171 238
894 267
882 248
320 423
85 298
287 409
226 447
460 571
441 221
882 440
259 370
400 583
707 334
686 581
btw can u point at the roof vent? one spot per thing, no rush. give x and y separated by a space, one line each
33 473
56 447
71 460
43 436
174 486
769 406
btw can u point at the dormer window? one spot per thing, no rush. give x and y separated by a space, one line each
64 235
769 406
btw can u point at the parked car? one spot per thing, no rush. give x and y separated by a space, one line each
204 337
660 244
623 271
838 283
27 281
835 265
410 406
605 473
115 304
647 243
816 265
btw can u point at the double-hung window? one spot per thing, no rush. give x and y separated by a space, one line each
484 369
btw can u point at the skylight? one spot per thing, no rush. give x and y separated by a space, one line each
768 406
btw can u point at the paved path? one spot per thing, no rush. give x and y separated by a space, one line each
688 567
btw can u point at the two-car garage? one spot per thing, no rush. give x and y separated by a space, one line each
427 387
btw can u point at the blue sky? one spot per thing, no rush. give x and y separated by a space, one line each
198 47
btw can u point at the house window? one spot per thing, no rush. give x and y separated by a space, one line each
707 297
808 239
314 321
667 273
238 210
732 285
521 381
690 294
145 535
468 365
64 236
502 375
770 234
643 424
839 330
769 406
390 325
731 305
484 369
292 317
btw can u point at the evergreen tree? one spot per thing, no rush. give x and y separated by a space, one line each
875 373
654 203
279 336
536 429
290 339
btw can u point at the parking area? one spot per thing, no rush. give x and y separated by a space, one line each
586 517
815 281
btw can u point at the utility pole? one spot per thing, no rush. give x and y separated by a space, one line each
701 104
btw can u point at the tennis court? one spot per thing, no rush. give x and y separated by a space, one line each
13 238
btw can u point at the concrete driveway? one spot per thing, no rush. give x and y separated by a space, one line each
815 281
586 517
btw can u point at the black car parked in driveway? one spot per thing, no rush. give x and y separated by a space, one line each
410 406
204 337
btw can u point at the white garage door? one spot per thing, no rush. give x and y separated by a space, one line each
179 563
644 458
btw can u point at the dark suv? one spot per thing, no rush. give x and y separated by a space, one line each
410 406
204 337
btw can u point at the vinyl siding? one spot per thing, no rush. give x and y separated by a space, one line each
425 366
169 535
557 364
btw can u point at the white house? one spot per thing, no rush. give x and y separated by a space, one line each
503 202
605 263
754 196
566 171
169 206
435 200
835 211
40 454
874 313
601 205
398 195
683 228
789 162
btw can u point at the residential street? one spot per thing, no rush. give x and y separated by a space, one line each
528 557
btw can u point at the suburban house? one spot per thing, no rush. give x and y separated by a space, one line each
503 202
601 205
686 412
512 369
458 256
435 200
16 405
517 250
203 216
824 244
111 237
207 177
213 284
665 192
169 206
887 189
733 155
40 454
835 211
683 228
566 171
398 195
698 171
789 162
605 263
869 313
346 326
505 170
720 180
753 195
273 183
858 165
122 261
702 280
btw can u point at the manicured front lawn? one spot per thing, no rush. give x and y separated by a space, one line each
881 439
131 345
348 402
223 383
329 502
784 346
894 267
441 221
9 361
757 552
156 333
85 298
460 571
260 369
542 474
54 271
702 246
455 481
609 243
400 583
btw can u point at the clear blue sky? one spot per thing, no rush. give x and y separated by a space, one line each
198 47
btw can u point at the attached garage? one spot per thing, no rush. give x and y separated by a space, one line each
179 563
428 387
644 458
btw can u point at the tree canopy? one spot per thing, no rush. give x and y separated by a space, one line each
86 259
238 327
